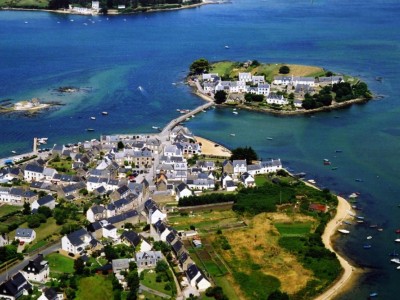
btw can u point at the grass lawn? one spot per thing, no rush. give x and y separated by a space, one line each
222 68
44 230
226 287
37 245
6 209
148 296
94 288
149 280
260 180
293 229
64 166
204 220
60 264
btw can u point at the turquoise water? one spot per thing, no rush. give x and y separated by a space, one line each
113 57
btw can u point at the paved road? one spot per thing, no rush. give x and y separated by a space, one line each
154 292
14 269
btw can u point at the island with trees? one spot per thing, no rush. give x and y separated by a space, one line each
276 88
100 7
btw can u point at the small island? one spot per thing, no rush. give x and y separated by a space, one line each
275 88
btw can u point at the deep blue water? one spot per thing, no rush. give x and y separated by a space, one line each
113 57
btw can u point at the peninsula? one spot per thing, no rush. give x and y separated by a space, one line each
275 88
26 106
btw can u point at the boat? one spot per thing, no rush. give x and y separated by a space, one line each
338 151
358 180
93 118
367 246
104 113
369 237
269 138
226 47
395 260
344 231
397 240
380 229
360 221
178 110
235 112
373 294
398 231
312 181
13 151
232 134
90 129
398 268
360 218
353 195
347 223
373 226
155 127
326 162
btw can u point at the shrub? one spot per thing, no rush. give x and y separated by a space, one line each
284 70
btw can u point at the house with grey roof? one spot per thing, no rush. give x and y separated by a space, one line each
135 240
147 259
182 190
37 269
96 213
196 278
78 241
33 172
48 201
15 287
239 166
26 235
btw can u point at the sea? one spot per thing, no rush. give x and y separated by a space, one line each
134 66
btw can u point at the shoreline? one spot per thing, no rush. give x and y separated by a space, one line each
59 11
350 272
208 148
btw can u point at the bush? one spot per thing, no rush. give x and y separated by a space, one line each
284 70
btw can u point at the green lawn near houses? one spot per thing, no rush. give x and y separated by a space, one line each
150 281
226 287
44 231
6 209
260 180
64 166
97 287
59 263
293 229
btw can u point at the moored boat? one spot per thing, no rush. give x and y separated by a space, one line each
395 260
104 113
367 246
397 240
373 294
232 134
90 129
326 162
93 118
235 112
344 231
312 181
369 237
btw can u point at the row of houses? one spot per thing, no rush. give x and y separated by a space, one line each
160 231
306 81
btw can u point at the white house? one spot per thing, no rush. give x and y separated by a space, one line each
160 231
47 201
224 179
3 240
248 180
26 235
263 89
15 287
50 294
77 241
154 212
258 79
239 166
209 76
148 259
37 269
245 77
33 172
96 213
110 231
182 190
276 99
282 80
196 278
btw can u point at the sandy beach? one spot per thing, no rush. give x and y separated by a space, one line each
349 271
208 148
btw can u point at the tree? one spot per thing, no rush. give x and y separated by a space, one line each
246 153
284 70
120 145
199 66
110 253
27 209
278 295
44 210
220 97
79 266
161 266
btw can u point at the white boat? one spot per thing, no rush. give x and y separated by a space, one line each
232 134
104 113
353 195
344 231
398 268
226 47
395 260
13 151
269 138
397 240
235 112
155 127
93 118
312 181
369 237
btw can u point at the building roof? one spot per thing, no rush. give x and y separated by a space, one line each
36 265
132 237
15 285
24 232
34 168
192 271
45 200
75 237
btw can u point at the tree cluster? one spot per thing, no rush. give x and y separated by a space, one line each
9 252
217 293
345 91
133 281
284 70
246 153
322 98
206 199
220 97
253 97
199 66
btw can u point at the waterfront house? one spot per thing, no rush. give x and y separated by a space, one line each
15 287
257 80
276 99
282 80
26 235
329 80
148 259
37 269
210 76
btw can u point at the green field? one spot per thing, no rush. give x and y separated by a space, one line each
44 230
293 229
24 3
6 209
60 264
149 280
260 180
97 287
